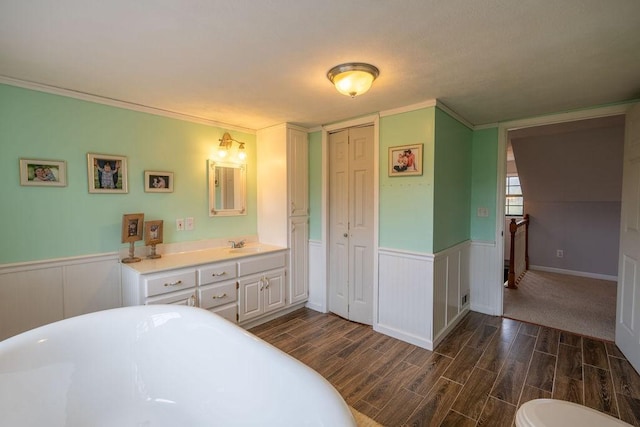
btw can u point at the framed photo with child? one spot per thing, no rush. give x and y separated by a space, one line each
46 173
107 173
405 160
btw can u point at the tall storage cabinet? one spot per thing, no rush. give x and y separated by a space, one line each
283 216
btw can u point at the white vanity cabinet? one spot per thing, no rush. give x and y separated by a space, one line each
239 286
217 289
261 285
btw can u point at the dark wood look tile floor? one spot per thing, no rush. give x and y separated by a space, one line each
478 376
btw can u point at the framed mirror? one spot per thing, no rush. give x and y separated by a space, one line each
227 189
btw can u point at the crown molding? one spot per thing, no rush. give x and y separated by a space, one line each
455 115
486 126
54 90
407 108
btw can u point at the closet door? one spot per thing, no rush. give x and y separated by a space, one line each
351 190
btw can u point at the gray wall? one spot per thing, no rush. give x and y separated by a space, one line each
571 178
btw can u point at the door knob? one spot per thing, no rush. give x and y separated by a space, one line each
345 235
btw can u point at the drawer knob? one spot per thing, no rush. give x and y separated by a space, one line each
220 296
219 274
178 283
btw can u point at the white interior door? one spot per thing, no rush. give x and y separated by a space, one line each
351 222
628 304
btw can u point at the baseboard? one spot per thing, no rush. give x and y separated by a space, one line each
484 309
574 273
452 324
403 336
253 323
316 307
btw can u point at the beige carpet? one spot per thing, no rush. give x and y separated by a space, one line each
362 420
576 304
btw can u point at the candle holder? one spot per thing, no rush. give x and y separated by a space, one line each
131 233
152 236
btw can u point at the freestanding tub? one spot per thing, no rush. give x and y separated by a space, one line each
158 366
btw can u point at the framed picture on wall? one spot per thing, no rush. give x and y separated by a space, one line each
107 173
405 160
45 173
158 182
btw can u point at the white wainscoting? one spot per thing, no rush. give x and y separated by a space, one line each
451 284
486 280
317 277
419 295
35 293
405 296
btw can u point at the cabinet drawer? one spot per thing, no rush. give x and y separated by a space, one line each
187 297
217 295
228 312
169 282
216 273
261 263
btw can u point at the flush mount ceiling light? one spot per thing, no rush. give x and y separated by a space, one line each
353 78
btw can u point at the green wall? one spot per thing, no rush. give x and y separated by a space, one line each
484 172
452 189
406 203
42 223
426 213
315 185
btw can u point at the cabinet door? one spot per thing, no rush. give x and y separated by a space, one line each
274 290
298 177
250 303
299 259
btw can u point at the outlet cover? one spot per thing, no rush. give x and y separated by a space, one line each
483 212
560 253
188 223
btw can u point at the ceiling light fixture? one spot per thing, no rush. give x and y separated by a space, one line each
353 78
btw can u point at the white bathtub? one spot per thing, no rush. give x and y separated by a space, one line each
158 366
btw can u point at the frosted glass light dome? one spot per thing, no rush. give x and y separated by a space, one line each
353 79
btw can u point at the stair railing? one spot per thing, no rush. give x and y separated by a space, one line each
519 251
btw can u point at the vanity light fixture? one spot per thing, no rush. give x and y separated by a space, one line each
242 155
353 78
225 145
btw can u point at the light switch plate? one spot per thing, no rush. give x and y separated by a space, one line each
483 212
180 224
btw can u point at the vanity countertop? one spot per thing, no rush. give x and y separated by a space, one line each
195 258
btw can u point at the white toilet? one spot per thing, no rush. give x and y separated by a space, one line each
558 413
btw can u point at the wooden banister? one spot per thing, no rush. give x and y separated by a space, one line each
518 254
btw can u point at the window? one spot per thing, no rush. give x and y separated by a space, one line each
514 200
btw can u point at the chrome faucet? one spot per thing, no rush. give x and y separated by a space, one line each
239 244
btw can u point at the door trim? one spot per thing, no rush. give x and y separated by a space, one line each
374 120
503 130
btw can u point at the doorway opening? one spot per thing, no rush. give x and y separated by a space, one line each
570 175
